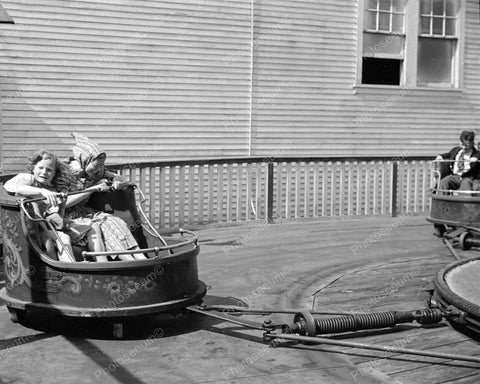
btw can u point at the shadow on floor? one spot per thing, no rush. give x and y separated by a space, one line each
158 325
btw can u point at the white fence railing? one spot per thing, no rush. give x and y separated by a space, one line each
230 190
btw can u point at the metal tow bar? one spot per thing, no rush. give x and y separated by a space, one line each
306 329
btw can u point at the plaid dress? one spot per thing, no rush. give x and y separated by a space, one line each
115 231
116 234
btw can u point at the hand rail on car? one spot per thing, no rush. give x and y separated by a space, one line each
21 202
43 221
151 229
156 250
433 166
457 192
61 194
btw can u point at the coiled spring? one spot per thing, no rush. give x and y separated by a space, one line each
305 324
355 322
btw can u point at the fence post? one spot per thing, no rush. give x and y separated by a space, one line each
394 184
269 193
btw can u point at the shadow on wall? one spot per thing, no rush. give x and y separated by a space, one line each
27 127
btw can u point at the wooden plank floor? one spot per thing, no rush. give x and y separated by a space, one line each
355 269
365 265
401 285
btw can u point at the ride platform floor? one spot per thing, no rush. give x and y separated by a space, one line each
361 265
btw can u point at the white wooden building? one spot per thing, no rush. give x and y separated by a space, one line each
246 110
155 80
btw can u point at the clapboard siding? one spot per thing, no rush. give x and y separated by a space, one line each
153 80
310 60
147 80
472 53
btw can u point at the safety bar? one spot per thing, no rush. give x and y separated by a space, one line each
435 162
151 229
61 194
456 192
156 250
95 188
433 167
44 221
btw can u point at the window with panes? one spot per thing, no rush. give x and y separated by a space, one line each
410 42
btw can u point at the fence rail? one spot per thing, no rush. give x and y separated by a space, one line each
231 190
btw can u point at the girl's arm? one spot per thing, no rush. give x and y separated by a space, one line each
22 185
30 191
77 198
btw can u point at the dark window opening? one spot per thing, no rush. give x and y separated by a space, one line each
381 71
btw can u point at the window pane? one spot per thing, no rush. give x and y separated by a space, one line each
385 5
398 6
438 7
371 20
375 44
372 4
450 27
381 71
397 23
425 25
452 7
435 61
384 22
426 7
437 26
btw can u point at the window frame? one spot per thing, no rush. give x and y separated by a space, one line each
408 76
379 11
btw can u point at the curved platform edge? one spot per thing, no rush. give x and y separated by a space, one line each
64 310
447 299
